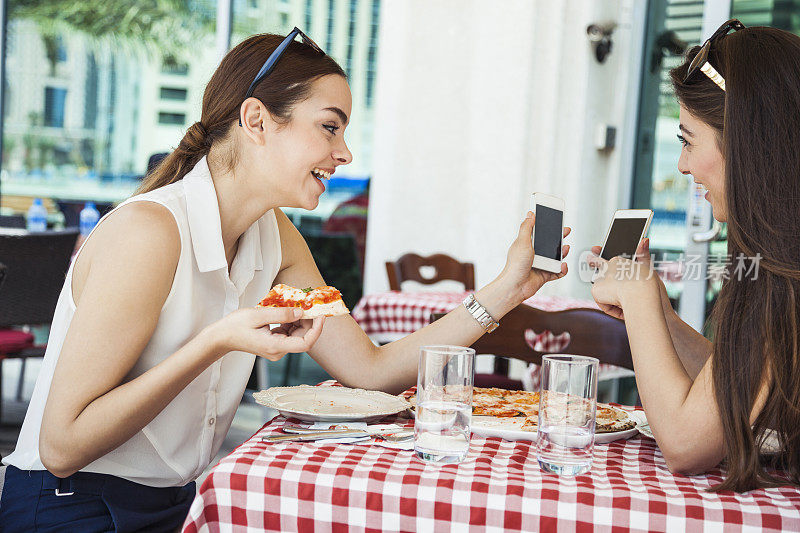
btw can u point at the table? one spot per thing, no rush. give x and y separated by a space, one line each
361 487
388 316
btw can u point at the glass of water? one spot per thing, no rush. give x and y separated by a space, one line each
444 403
567 407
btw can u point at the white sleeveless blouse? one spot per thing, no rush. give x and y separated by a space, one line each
178 444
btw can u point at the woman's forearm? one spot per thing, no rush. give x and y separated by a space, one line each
693 348
398 360
661 378
113 418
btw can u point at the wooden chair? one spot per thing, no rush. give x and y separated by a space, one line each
36 265
591 331
407 268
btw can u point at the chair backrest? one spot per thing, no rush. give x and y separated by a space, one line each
337 260
591 333
13 221
408 268
37 264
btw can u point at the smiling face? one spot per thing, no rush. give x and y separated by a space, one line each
306 151
701 157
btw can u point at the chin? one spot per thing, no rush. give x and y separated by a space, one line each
310 203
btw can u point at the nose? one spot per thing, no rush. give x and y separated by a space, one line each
342 154
683 165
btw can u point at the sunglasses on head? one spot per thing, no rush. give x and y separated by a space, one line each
700 61
273 58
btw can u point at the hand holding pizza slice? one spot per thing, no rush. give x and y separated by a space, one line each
322 301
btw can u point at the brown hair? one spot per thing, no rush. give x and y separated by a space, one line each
756 318
288 83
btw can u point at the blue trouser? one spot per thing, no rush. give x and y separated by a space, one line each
39 501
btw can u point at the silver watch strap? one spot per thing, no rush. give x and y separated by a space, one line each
480 313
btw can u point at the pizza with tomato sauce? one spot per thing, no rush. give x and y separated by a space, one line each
523 406
322 301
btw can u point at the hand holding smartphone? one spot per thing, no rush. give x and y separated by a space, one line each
547 231
627 229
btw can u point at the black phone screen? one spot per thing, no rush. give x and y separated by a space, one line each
623 237
547 232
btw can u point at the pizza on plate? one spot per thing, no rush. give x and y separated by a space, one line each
322 301
523 406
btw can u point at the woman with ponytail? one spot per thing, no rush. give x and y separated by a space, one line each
739 101
156 330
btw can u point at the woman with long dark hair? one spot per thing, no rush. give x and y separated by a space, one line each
739 99
155 333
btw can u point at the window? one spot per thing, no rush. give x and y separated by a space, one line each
91 95
86 115
54 99
351 32
61 50
177 69
172 119
331 11
309 11
373 48
173 93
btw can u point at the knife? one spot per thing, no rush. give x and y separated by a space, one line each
316 436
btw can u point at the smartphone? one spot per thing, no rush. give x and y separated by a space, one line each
548 231
627 229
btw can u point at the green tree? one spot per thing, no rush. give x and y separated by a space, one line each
164 28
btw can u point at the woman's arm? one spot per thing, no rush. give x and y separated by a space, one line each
119 290
692 347
345 351
681 410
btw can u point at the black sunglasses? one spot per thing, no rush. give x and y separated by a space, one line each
269 64
700 61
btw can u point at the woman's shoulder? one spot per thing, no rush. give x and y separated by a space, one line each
147 224
137 235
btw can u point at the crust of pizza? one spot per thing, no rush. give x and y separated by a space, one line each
330 309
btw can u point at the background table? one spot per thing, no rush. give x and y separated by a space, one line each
342 487
388 316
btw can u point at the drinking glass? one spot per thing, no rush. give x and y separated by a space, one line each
444 403
567 407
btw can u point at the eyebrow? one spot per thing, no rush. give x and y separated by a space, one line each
339 112
685 131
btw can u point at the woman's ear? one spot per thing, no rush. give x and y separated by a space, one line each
253 115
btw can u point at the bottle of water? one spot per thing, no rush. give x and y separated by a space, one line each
37 216
89 218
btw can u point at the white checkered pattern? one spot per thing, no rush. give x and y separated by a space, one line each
499 487
406 312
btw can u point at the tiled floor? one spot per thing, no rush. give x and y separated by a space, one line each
249 416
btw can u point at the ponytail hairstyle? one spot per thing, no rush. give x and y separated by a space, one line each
756 317
288 84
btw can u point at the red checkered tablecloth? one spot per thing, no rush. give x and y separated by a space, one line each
499 487
397 312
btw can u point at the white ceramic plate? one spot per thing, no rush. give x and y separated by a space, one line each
331 404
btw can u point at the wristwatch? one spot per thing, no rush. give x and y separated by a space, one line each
480 313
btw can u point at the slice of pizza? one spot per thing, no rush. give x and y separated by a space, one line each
322 301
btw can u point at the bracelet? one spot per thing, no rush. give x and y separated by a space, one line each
480 314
